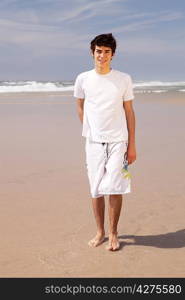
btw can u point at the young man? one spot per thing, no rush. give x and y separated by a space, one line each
104 104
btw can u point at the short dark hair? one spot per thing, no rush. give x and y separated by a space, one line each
106 40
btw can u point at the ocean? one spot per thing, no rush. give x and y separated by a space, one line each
57 86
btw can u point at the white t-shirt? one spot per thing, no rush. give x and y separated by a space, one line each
104 118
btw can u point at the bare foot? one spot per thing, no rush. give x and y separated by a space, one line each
113 242
97 240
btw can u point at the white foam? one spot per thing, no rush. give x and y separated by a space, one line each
32 86
158 83
38 86
149 91
159 91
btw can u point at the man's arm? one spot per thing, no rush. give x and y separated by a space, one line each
80 108
130 117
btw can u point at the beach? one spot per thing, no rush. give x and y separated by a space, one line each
46 218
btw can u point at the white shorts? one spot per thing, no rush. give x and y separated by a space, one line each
104 166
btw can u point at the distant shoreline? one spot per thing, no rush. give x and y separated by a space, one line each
68 86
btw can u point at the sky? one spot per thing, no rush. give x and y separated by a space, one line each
50 39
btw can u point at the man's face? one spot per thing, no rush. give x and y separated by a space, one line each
102 56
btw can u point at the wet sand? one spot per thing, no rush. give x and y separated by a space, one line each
46 217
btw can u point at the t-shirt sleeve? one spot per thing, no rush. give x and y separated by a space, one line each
129 94
78 89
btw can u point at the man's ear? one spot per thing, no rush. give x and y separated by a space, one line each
112 55
92 53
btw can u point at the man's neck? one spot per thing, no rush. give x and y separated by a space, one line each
100 70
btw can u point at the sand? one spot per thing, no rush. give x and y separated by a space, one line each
46 217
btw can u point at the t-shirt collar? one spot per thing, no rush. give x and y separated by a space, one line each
103 74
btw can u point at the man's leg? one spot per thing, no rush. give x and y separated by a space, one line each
99 213
115 205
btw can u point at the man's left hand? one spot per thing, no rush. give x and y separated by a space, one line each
131 154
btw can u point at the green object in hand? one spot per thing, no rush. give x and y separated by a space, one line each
126 173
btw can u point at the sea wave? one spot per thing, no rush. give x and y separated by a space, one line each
159 83
34 86
158 86
22 86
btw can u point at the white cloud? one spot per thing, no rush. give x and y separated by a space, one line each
151 22
47 28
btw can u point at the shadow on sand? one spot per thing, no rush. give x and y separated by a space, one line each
167 240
